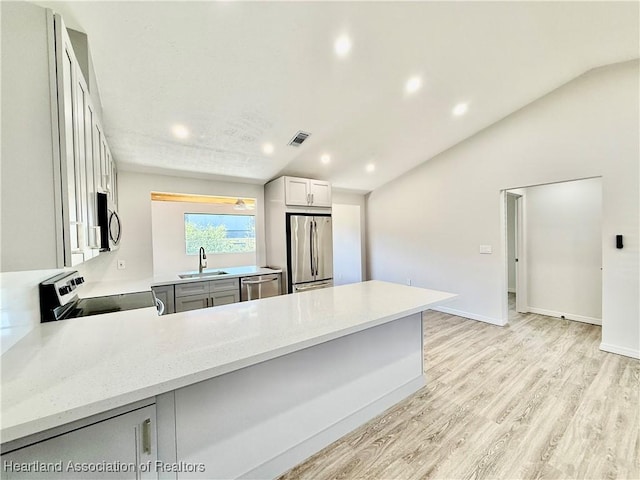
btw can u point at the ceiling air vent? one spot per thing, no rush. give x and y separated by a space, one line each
299 138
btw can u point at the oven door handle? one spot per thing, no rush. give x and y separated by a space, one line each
160 306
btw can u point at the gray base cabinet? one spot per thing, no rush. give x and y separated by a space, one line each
225 298
196 295
126 443
192 302
166 295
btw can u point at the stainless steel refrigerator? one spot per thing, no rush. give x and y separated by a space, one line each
309 252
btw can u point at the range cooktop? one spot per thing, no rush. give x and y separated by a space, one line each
59 299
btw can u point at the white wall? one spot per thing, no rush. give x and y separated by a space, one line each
347 244
564 249
169 244
587 128
341 203
511 242
135 212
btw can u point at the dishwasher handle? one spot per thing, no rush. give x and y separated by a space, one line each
246 281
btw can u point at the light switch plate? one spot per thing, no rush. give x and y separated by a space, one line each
486 249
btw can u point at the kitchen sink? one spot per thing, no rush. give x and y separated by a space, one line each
204 274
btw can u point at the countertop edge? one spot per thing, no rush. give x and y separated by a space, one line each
35 426
160 282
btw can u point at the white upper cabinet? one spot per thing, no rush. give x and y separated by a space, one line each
320 193
306 192
71 116
296 191
51 143
86 164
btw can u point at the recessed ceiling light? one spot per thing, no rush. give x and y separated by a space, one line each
460 109
342 46
267 148
325 158
370 167
180 131
413 84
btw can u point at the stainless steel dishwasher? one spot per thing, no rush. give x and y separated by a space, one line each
260 286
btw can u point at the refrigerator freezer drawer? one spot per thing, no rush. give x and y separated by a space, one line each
304 287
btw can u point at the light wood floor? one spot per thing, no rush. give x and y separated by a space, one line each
535 399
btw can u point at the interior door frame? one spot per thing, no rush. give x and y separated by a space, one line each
521 264
522 305
521 255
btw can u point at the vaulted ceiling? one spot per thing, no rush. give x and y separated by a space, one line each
236 76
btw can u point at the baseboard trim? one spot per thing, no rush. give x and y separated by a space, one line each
627 352
290 458
470 316
568 316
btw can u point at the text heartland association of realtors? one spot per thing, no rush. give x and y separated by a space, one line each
101 467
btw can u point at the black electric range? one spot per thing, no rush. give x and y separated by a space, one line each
59 299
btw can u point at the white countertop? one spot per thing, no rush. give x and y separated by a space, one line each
230 272
98 289
68 370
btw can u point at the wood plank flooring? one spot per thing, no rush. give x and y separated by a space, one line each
534 400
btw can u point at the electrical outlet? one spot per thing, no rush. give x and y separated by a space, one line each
121 265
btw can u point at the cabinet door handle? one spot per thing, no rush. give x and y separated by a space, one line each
312 198
146 436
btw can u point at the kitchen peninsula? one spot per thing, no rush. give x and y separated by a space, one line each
247 389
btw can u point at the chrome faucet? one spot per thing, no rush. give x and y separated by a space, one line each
202 260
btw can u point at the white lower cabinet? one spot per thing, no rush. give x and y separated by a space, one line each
123 447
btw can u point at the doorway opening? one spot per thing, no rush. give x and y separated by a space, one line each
514 206
553 251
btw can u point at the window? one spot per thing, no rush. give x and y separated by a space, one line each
219 233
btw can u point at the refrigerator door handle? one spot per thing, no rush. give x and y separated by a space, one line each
317 253
311 248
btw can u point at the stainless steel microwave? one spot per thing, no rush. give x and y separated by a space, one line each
109 222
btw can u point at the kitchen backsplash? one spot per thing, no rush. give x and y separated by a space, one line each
19 304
